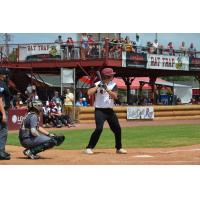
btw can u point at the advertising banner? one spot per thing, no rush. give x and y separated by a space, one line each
15 118
146 112
131 59
167 62
195 64
39 52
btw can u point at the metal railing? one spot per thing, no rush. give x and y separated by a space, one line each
79 50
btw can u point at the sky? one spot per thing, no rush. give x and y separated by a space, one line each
163 38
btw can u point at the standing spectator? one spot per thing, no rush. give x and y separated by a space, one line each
192 50
70 47
138 43
170 49
156 46
59 40
105 94
68 103
4 106
56 97
84 46
183 48
127 45
34 96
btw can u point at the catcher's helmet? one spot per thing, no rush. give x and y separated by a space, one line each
37 105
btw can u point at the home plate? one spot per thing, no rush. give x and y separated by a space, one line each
143 156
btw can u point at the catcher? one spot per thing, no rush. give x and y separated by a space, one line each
33 137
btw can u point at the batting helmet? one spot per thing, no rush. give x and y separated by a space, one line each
107 72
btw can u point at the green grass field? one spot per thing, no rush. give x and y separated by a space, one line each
135 137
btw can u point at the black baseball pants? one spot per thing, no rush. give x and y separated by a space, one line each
102 115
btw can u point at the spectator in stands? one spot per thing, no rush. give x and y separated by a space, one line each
92 47
156 46
178 101
30 89
127 45
170 49
59 40
56 97
138 43
192 51
54 115
79 102
17 100
46 115
68 103
84 102
34 96
84 46
150 47
70 47
183 48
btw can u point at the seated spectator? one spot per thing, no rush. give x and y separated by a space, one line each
79 102
183 48
170 49
192 101
46 115
178 101
84 102
192 51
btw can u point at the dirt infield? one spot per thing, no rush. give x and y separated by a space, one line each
137 156
148 156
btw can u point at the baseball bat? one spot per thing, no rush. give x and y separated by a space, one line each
99 75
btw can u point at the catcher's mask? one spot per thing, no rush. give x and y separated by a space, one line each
35 106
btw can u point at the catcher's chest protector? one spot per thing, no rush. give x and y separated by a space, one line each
25 129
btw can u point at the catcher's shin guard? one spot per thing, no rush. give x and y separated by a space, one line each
42 147
59 139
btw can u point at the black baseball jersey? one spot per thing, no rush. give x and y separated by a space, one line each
5 94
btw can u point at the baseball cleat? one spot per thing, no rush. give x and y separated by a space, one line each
89 151
29 154
121 151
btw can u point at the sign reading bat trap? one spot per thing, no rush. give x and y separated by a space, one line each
146 112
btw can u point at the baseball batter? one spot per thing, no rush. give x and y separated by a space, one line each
105 93
33 137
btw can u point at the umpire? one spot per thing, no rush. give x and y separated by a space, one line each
105 93
4 106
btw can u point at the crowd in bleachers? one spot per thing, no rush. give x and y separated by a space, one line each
57 112
87 47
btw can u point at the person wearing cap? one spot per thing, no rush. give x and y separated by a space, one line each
105 93
4 106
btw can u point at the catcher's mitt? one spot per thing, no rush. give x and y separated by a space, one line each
58 138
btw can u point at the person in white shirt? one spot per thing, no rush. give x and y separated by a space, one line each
105 93
68 103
